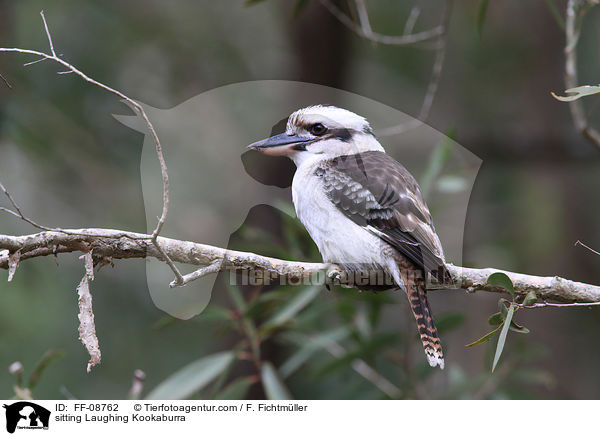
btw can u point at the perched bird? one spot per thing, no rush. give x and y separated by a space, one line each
363 209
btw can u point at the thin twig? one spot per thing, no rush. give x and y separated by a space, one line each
363 17
413 38
367 371
200 272
434 81
18 213
546 304
139 108
48 34
5 81
412 19
572 31
34 62
585 246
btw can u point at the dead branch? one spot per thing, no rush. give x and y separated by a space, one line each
439 34
137 107
364 29
586 247
87 326
6 82
117 244
572 32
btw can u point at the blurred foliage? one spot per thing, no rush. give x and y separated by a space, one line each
68 161
330 346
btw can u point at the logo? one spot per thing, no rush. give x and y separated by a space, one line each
26 415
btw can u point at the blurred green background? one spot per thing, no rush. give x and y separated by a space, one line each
70 164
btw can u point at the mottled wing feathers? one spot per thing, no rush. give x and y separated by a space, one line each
377 192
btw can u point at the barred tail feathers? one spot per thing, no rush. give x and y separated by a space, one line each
417 297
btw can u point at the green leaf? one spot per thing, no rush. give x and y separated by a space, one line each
48 358
485 338
237 389
274 387
501 280
530 299
435 165
214 313
481 13
309 347
367 351
266 301
578 92
503 310
518 328
556 13
192 377
502 337
237 297
496 319
291 308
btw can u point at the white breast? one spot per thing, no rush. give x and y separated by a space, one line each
338 239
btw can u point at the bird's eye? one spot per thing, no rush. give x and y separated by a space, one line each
318 129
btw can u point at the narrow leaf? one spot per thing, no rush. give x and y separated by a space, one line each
274 387
47 359
435 165
237 389
485 338
237 298
192 377
309 347
518 328
496 319
577 92
502 337
501 280
556 13
481 13
530 299
292 307
503 309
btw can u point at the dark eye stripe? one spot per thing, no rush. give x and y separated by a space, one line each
344 135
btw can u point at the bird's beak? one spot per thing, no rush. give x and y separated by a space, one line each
280 145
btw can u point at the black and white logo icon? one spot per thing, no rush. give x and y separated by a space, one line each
26 415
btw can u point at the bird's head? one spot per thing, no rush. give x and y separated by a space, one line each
320 132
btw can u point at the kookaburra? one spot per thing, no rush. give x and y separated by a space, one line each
363 209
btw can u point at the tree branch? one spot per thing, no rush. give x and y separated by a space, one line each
364 29
138 107
575 12
117 244
5 81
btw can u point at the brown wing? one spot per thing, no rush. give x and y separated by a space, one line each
377 192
